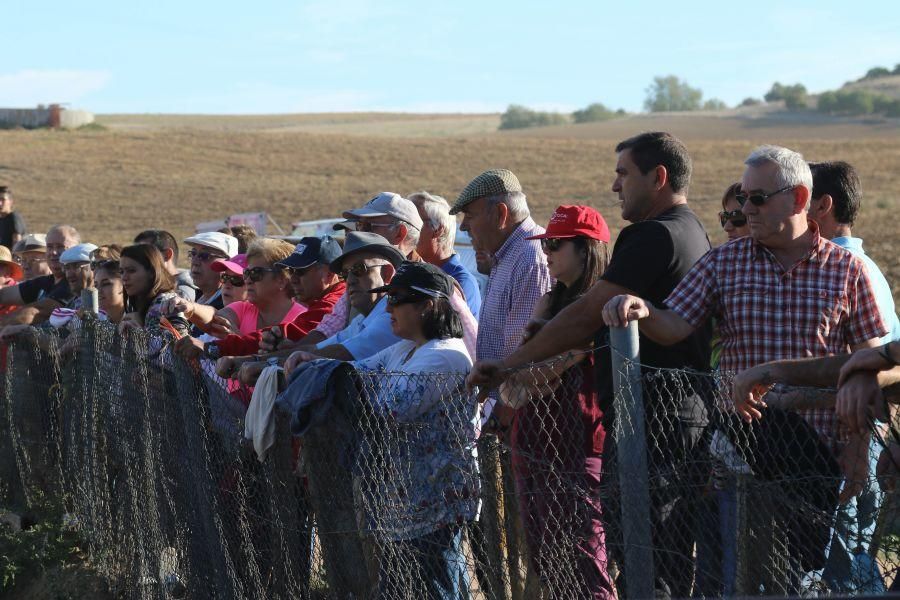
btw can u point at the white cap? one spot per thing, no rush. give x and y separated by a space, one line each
78 253
388 204
224 243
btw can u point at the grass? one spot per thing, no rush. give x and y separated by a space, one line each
175 171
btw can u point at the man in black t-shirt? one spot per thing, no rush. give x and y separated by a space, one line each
652 255
12 226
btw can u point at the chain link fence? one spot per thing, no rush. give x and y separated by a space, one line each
383 484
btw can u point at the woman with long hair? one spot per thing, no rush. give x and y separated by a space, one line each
557 432
148 285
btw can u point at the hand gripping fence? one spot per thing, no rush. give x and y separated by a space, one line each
388 486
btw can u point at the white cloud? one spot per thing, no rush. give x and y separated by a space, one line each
30 87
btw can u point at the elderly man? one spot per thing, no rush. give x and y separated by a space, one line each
436 244
167 245
42 294
32 252
782 292
653 173
206 248
12 227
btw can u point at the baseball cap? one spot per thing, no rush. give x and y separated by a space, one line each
421 277
312 250
366 241
570 221
388 204
33 242
490 183
77 253
235 264
224 243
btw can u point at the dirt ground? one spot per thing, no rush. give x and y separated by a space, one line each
173 172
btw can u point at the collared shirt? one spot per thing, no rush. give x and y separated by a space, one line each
336 319
883 295
366 334
820 306
455 269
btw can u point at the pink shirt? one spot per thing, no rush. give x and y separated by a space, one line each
248 315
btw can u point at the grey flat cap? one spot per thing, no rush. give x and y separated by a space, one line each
489 183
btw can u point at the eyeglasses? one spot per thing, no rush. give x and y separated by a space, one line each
103 264
552 244
398 299
358 270
737 218
235 280
256 273
204 256
299 271
759 199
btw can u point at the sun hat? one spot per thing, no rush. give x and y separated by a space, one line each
15 269
570 221
222 242
365 241
388 204
490 183
312 250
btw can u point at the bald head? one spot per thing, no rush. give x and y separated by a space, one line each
59 239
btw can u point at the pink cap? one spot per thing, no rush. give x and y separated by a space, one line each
235 265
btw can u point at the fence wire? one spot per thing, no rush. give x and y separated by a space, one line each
394 491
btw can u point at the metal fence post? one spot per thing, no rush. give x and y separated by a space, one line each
631 442
89 301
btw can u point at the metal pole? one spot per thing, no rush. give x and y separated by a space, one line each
89 301
631 443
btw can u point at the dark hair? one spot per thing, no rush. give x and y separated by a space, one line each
596 258
440 321
4 189
649 150
840 181
161 239
244 234
730 193
150 258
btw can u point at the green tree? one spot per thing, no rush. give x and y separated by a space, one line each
775 94
518 117
714 104
794 96
896 70
593 112
876 72
750 102
672 94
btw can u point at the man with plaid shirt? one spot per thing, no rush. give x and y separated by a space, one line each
782 292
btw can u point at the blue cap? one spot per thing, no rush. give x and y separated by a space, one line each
312 250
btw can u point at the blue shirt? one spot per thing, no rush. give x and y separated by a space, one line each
883 297
366 334
455 269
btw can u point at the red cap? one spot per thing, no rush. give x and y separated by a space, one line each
575 221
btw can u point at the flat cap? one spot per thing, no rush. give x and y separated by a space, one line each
489 183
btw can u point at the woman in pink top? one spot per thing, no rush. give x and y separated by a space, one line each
269 299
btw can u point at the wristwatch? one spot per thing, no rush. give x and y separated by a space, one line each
211 349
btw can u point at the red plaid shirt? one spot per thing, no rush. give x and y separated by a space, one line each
820 306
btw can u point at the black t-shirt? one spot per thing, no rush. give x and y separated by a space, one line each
35 289
650 258
10 224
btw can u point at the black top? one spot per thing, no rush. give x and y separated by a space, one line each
37 288
10 224
650 258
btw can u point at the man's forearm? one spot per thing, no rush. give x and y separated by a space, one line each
664 327
337 351
813 372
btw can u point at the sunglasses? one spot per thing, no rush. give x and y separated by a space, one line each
737 218
398 299
758 199
204 256
358 270
256 273
299 271
552 244
103 264
369 226
234 280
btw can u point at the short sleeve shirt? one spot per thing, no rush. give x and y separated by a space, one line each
366 334
33 290
455 269
9 225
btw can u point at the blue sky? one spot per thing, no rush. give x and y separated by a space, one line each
199 56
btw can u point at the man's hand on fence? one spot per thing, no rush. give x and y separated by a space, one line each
189 348
854 463
250 372
858 398
227 366
176 305
748 390
295 360
867 359
273 339
622 309
486 375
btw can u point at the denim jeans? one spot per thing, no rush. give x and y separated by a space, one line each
430 567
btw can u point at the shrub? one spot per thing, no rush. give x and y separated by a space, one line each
794 96
593 112
877 72
518 117
714 104
750 102
672 94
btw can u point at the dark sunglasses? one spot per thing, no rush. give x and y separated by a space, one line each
103 264
256 273
552 244
398 299
737 218
204 256
235 280
299 271
758 199
358 270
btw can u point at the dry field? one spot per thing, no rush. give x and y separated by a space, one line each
172 172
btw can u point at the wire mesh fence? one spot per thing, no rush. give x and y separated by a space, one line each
372 484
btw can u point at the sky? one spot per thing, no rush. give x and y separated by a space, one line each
200 56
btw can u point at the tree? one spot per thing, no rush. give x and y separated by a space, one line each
672 94
896 70
518 116
750 102
593 112
775 94
876 72
714 104
794 96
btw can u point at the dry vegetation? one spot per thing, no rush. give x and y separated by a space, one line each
173 172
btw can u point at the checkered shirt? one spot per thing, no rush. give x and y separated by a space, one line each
820 306
336 319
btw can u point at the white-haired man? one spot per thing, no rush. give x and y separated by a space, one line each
436 244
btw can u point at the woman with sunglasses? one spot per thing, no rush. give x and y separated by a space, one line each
148 287
557 432
733 221
231 274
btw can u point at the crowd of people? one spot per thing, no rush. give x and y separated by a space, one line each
790 298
